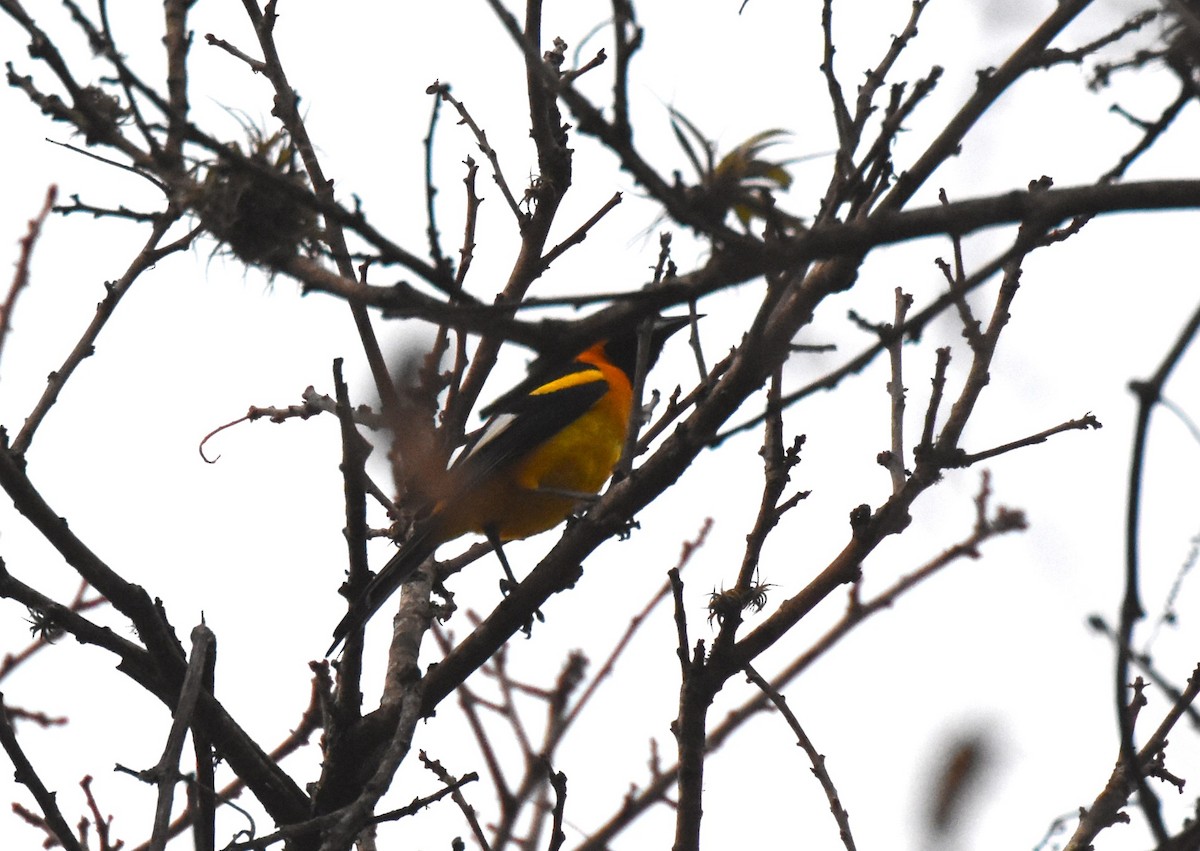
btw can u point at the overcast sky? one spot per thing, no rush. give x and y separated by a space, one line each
253 543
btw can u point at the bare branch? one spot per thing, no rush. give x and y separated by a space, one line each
1148 394
816 759
25 774
21 276
442 91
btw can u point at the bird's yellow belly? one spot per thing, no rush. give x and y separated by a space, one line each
534 495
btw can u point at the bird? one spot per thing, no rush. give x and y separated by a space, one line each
549 444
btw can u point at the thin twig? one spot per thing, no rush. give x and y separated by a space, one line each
816 759
355 452
896 391
456 795
24 773
1087 421
442 90
581 232
956 280
21 275
150 254
431 229
688 549
255 65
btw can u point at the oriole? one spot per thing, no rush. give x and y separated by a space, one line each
541 452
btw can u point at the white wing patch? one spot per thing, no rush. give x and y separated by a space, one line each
492 429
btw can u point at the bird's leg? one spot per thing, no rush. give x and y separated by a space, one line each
509 582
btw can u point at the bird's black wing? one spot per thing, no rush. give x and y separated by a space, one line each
525 421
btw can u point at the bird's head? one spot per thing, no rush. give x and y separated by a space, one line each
622 348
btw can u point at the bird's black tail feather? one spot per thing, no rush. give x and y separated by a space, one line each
401 566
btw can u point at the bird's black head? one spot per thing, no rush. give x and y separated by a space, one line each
621 350
622 347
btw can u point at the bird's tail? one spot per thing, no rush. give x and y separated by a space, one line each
401 566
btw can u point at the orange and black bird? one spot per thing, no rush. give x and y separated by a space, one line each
550 443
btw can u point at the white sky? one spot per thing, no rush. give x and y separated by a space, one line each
254 543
